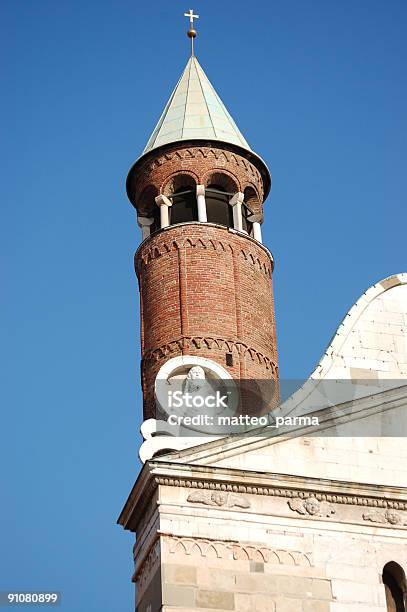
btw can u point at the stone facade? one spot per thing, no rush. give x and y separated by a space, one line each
216 538
288 520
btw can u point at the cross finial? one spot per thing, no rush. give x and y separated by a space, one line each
191 32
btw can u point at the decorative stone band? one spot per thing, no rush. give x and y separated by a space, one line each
200 342
238 551
390 517
312 499
147 564
337 498
163 245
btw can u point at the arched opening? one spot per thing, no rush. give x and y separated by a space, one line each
181 189
147 207
184 207
218 209
251 199
250 209
223 181
177 183
394 580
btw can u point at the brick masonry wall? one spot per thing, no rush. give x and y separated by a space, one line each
205 291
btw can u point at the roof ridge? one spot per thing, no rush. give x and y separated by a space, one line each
204 97
186 99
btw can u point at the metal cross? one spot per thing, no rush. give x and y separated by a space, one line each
191 32
191 18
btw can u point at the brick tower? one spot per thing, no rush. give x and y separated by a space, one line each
205 277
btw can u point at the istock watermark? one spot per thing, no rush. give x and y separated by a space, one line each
194 402
202 420
293 421
178 399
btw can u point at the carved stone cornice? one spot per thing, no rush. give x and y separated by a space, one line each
310 497
140 496
291 493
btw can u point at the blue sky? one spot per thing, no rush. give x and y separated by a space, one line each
318 89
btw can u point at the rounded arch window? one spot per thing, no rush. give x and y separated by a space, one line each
181 189
394 580
178 183
184 206
218 209
251 198
147 207
223 181
250 209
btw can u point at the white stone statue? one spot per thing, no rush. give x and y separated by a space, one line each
195 380
197 386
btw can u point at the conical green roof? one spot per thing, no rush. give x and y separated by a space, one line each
195 111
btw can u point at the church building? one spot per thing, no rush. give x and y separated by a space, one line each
302 505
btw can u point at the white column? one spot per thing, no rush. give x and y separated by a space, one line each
257 231
164 203
236 201
145 223
200 197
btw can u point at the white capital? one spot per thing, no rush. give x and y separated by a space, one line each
145 221
238 198
162 200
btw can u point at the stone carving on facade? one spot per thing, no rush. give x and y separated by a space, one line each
389 517
291 494
218 499
238 551
311 506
